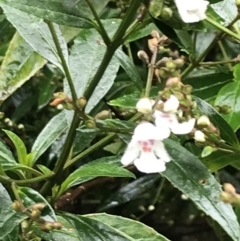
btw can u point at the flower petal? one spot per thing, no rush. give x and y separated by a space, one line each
183 128
160 151
131 153
148 163
171 105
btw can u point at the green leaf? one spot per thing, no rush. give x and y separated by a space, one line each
19 65
129 192
90 229
207 86
84 64
9 222
186 40
7 160
70 13
220 159
55 127
30 197
226 131
13 236
129 67
4 197
37 34
230 95
102 167
129 227
187 173
20 147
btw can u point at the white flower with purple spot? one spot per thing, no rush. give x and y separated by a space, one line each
146 149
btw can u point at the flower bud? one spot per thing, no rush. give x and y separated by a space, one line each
39 206
20 126
163 73
144 105
47 226
1 115
237 3
173 82
16 205
7 120
155 34
35 214
57 225
199 136
229 188
152 43
207 150
187 89
60 107
226 197
225 109
24 224
179 62
166 13
203 121
170 65
90 124
81 103
105 114
151 208
68 106
143 56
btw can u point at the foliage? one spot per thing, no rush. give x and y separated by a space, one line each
72 76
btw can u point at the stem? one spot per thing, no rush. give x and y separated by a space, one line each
128 18
151 71
159 190
64 155
220 44
207 50
64 63
102 31
210 63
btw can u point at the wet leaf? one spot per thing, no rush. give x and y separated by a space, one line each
187 173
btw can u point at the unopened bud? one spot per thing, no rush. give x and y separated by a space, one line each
179 62
187 89
225 109
166 13
47 226
229 188
207 150
155 34
60 95
81 103
173 82
151 208
16 205
171 105
7 120
20 126
144 105
237 3
143 56
1 115
24 224
90 124
163 73
170 65
60 107
152 43
226 197
105 114
199 136
35 214
68 106
203 121
57 225
39 206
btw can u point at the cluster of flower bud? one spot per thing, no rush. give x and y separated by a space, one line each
8 122
229 194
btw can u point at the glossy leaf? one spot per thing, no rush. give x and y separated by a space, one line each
20 147
9 222
70 13
86 56
90 229
230 95
219 159
129 227
102 167
19 65
187 173
55 127
5 198
129 68
207 86
129 192
30 197
7 160
37 34
226 131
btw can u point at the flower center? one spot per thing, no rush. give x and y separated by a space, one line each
146 146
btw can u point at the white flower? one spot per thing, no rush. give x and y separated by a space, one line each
146 149
192 11
203 121
171 105
199 136
144 105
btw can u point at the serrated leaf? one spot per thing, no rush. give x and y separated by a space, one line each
84 64
102 167
226 131
129 192
20 147
30 197
67 12
37 34
55 127
19 65
187 173
129 227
